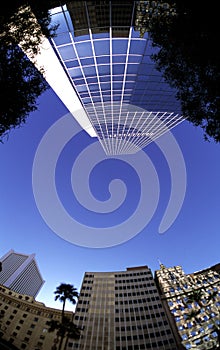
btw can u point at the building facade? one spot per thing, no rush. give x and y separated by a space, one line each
121 311
99 64
21 273
24 322
192 302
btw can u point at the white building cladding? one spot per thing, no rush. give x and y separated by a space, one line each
109 74
20 273
193 301
121 311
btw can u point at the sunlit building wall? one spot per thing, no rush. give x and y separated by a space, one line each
121 311
100 66
20 273
25 322
192 302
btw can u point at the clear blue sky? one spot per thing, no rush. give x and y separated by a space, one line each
192 241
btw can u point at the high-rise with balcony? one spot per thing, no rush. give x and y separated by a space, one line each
20 273
99 64
121 311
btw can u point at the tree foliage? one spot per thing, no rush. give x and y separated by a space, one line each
65 328
20 82
205 305
66 292
189 58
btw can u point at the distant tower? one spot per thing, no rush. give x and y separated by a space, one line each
20 273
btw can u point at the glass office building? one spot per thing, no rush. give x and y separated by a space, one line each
110 76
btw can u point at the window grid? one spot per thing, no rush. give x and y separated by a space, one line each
123 86
103 76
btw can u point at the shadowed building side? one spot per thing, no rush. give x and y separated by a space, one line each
121 311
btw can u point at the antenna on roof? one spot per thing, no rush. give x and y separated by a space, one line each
160 263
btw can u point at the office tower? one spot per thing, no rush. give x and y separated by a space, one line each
25 322
21 273
99 64
121 311
193 302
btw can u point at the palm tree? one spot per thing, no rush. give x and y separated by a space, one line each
192 315
206 304
66 292
66 327
196 296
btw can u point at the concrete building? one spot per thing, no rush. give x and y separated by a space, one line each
121 311
99 64
21 273
24 322
192 302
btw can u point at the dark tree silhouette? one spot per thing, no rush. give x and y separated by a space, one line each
20 85
63 329
188 57
66 328
201 304
66 292
20 82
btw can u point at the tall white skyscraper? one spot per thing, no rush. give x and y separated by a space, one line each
100 65
21 273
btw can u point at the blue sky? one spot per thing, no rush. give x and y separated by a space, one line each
192 241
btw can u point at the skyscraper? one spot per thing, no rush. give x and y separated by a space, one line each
20 273
99 64
192 302
121 311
